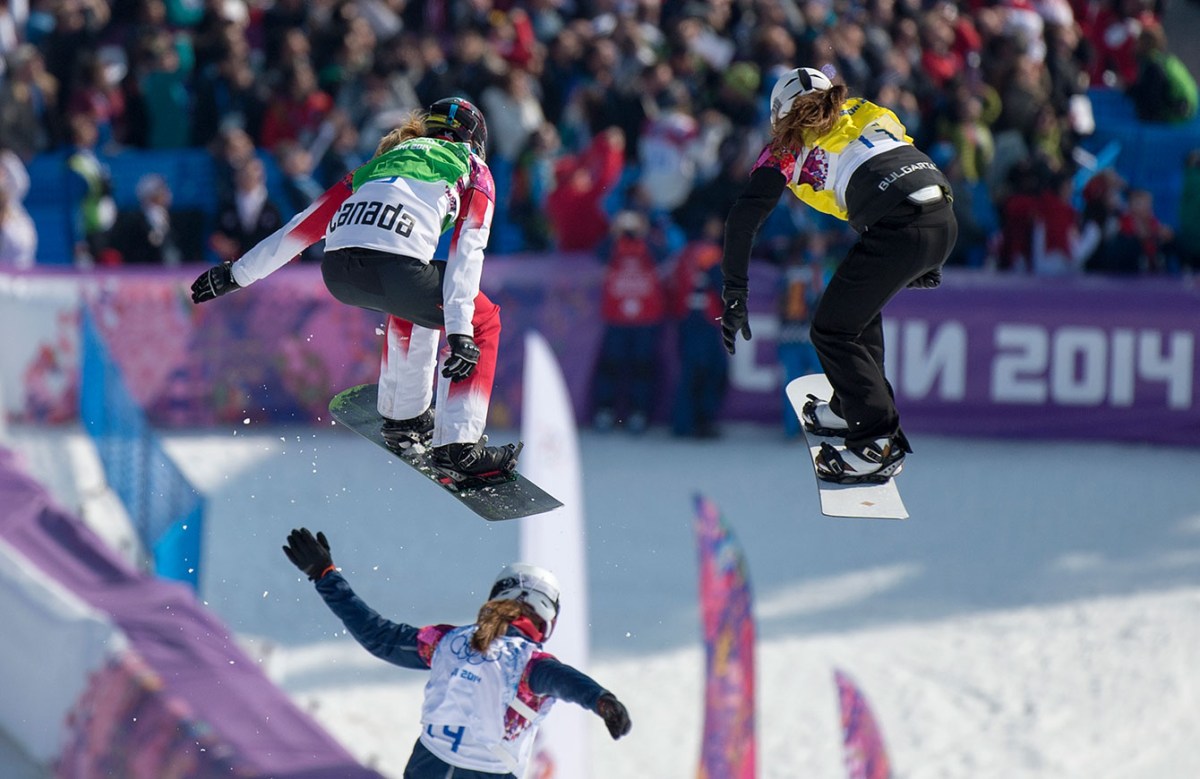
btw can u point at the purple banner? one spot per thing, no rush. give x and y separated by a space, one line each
862 744
1085 358
194 679
728 748
1110 359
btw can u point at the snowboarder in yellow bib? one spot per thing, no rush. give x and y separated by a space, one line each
852 159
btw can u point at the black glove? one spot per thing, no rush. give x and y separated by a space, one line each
310 555
614 714
214 282
464 356
928 280
735 317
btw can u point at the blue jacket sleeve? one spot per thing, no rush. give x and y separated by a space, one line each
548 676
394 642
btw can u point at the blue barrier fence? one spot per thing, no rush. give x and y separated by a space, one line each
166 510
1148 156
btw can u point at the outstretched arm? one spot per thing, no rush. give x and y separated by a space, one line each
549 676
304 229
274 251
395 642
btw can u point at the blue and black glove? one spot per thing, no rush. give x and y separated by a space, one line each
464 356
735 318
214 282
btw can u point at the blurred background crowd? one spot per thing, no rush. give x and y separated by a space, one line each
168 131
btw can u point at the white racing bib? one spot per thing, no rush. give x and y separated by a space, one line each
472 717
396 215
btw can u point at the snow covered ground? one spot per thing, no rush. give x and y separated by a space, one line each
1038 616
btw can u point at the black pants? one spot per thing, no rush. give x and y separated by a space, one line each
847 327
402 286
423 764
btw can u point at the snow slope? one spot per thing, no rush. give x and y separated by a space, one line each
1038 616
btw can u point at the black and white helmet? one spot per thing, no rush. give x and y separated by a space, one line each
460 120
793 84
530 584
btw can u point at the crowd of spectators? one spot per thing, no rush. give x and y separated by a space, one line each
595 107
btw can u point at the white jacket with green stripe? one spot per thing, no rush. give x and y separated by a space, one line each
400 202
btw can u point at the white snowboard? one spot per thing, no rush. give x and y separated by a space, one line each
866 501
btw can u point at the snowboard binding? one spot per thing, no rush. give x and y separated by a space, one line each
470 466
815 418
832 465
408 436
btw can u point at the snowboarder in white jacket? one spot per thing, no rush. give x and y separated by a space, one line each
381 225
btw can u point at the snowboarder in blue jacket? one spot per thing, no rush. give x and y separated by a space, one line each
490 683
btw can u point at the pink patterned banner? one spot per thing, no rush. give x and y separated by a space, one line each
125 726
728 746
863 750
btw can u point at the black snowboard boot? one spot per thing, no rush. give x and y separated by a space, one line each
402 434
478 461
874 462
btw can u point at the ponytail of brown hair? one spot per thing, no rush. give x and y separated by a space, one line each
811 116
413 127
494 618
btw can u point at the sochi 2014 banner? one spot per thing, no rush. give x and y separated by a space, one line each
728 746
1018 356
862 744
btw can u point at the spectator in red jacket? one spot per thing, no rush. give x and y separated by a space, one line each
1057 247
575 204
632 306
939 60
1142 237
1018 215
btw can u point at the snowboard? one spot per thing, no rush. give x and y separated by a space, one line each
517 497
865 501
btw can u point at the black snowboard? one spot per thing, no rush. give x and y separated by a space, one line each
518 497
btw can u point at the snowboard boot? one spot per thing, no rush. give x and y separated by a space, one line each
400 435
477 463
819 419
875 462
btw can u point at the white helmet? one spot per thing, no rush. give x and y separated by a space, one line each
793 84
529 584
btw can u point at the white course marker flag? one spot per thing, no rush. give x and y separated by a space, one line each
556 540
